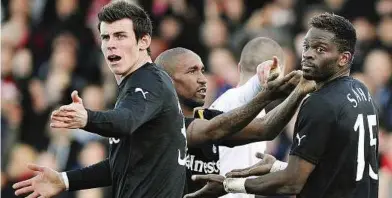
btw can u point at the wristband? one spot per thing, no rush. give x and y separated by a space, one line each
234 185
278 166
66 181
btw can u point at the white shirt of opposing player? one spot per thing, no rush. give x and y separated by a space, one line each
240 156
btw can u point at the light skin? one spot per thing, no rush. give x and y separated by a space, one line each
322 62
118 38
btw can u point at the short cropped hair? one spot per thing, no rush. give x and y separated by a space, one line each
344 31
117 10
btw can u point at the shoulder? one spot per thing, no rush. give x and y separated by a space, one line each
149 77
317 105
226 100
207 114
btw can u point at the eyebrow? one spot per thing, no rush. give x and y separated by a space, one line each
193 67
115 33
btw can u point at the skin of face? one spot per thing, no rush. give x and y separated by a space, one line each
320 55
118 39
189 80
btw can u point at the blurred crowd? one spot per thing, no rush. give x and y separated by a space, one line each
51 47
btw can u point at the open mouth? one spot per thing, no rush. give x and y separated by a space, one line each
114 58
202 91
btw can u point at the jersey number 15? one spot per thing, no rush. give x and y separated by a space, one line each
359 125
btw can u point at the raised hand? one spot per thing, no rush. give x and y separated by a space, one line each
261 168
281 87
266 69
306 86
47 183
214 187
70 116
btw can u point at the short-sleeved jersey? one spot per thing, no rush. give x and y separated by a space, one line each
337 131
202 159
150 160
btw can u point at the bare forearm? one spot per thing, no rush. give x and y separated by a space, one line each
275 120
271 184
268 127
233 121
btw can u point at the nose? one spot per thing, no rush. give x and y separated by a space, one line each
110 44
307 54
202 79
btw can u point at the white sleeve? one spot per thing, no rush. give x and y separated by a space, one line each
239 96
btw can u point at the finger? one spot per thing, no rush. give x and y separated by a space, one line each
291 84
259 170
198 193
283 80
69 114
35 167
24 190
209 177
55 112
255 171
260 155
62 119
60 125
22 184
237 173
272 77
274 62
75 97
67 108
33 195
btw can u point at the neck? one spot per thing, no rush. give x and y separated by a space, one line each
345 72
187 111
145 58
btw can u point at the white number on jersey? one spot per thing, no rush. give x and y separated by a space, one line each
359 125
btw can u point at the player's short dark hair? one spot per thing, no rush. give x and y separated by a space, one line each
343 29
169 58
117 10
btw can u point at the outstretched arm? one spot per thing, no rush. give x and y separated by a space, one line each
286 182
139 103
269 126
202 131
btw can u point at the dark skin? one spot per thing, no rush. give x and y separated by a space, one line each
322 62
189 80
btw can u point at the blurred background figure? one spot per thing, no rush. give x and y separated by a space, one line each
50 48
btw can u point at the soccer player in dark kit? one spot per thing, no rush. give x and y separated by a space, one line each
335 143
145 128
207 129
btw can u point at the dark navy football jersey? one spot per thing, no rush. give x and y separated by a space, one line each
201 159
337 131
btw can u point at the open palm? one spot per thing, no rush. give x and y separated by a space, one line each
47 183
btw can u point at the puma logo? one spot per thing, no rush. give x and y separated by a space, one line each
300 138
141 90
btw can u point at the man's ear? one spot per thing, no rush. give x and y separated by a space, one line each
144 42
345 58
